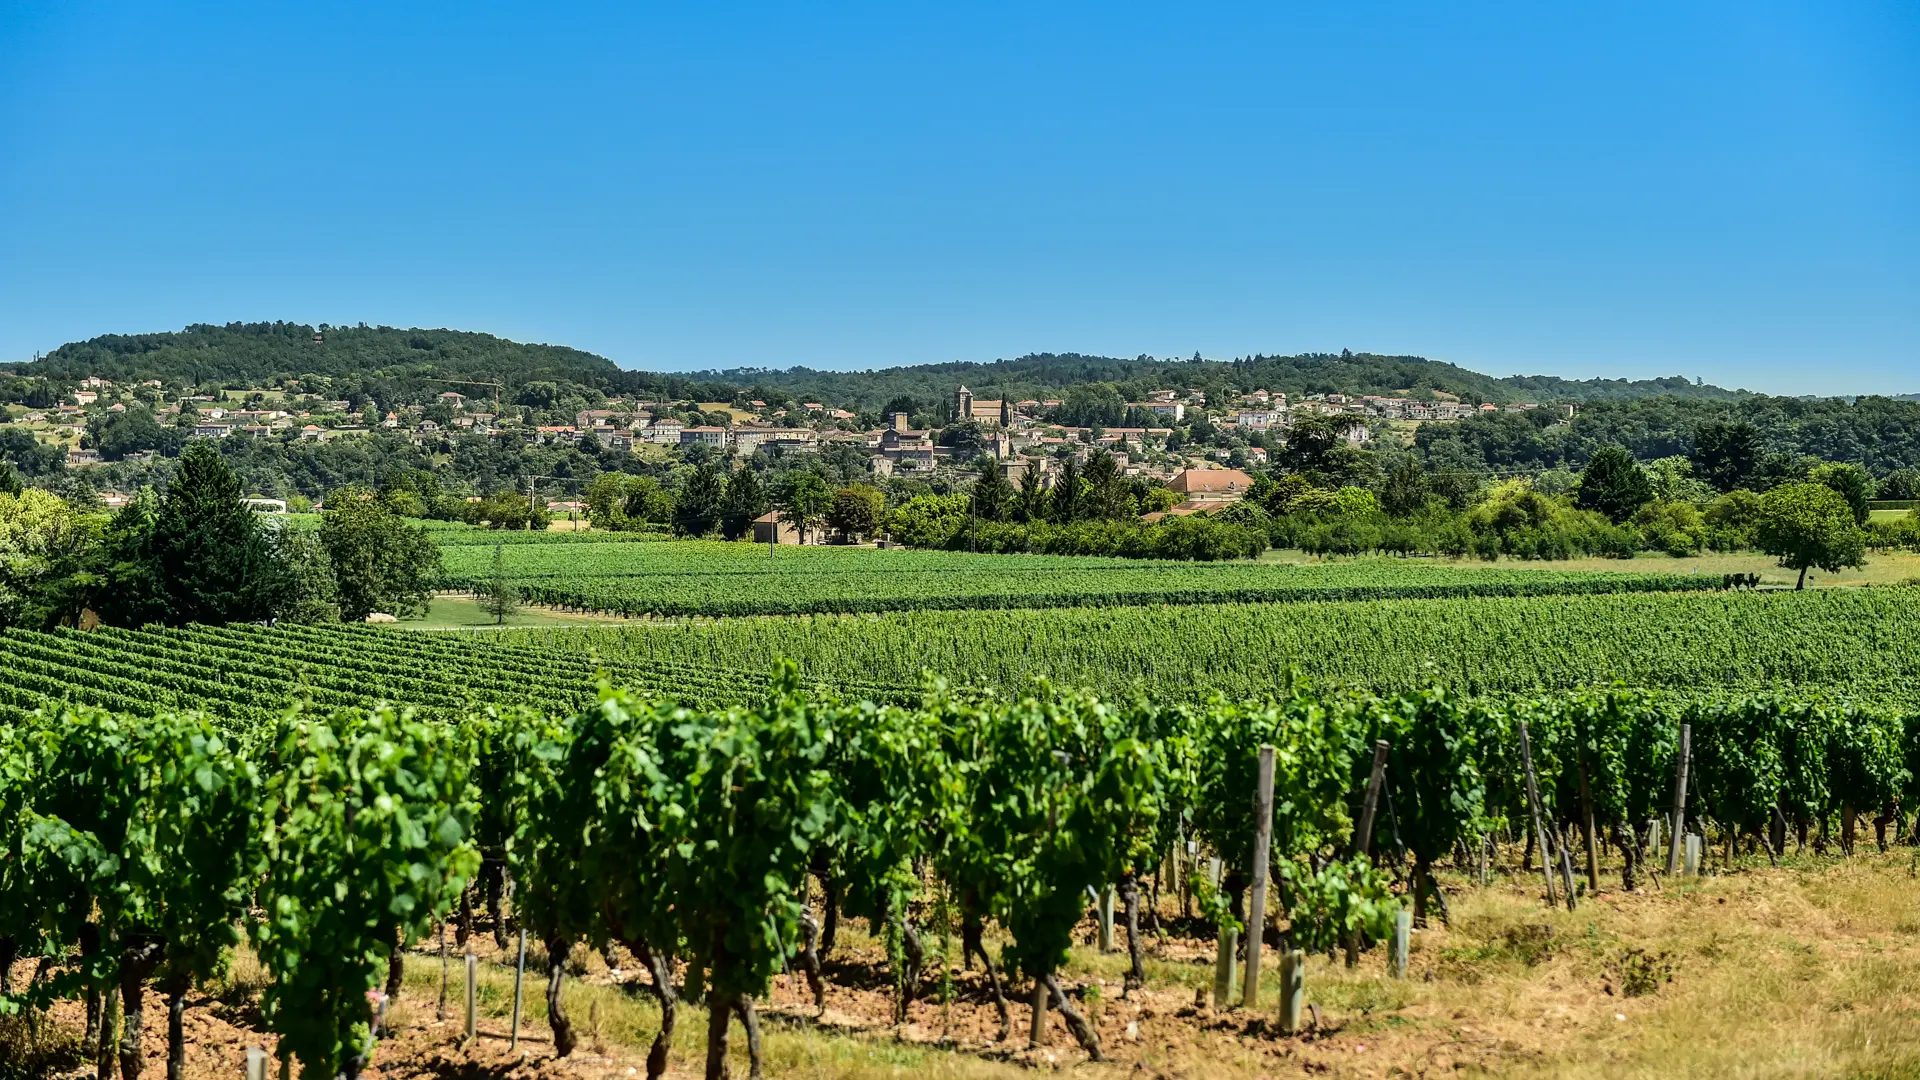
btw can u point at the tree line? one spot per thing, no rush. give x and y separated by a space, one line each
199 553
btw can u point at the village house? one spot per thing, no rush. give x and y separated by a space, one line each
662 432
704 435
1215 486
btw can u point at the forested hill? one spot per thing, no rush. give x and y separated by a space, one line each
1046 374
381 359
256 352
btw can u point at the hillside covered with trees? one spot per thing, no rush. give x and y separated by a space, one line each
372 358
378 361
1044 375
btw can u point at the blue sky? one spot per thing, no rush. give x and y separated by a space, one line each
1729 191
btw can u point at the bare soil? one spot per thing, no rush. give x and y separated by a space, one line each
1808 970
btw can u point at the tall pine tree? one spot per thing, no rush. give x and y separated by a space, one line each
211 553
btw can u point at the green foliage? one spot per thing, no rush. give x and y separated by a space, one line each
501 596
1051 802
702 502
748 797
992 496
618 501
1810 525
928 521
380 561
805 502
24 455
1614 484
41 540
1087 563
1342 900
856 511
746 500
212 557
367 824
312 592
1851 482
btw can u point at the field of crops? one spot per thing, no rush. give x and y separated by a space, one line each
612 574
1854 638
697 836
247 676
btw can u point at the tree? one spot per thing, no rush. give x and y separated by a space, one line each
213 558
1031 505
1311 442
1406 489
1067 506
124 576
647 501
1853 484
1898 484
1613 484
746 500
702 499
928 521
1672 480
9 480
503 596
993 497
1107 497
1810 525
380 562
312 592
806 501
965 439
28 454
40 540
607 501
856 511
1727 453
899 403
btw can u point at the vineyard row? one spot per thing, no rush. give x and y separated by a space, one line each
690 836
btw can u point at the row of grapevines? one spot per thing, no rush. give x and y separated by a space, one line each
1860 639
689 834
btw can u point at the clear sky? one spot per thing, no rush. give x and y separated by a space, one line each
1722 190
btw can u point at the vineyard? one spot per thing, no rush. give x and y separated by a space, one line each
720 848
1858 639
246 677
618 574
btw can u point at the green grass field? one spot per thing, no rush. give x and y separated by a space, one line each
463 612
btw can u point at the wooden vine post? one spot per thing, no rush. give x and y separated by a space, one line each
1533 809
1677 840
1593 845
1363 837
1257 904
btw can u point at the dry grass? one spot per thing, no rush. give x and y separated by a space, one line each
1810 970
